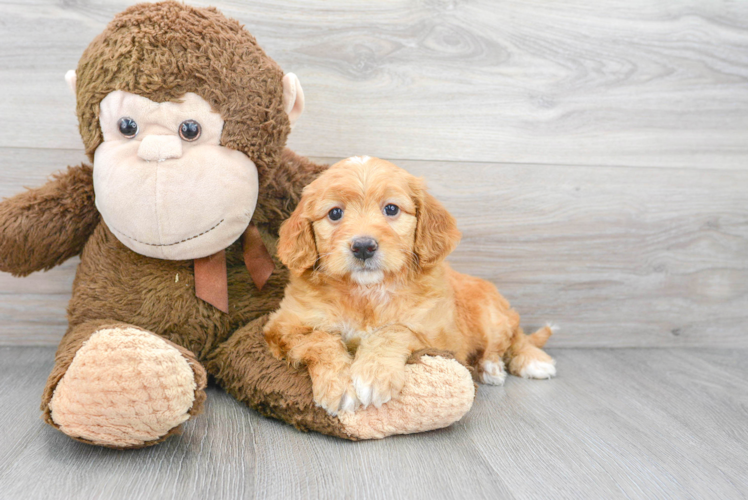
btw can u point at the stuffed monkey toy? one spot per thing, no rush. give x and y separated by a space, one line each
184 119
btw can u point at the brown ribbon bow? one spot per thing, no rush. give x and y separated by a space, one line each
211 280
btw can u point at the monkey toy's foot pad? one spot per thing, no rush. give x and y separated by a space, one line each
126 387
438 391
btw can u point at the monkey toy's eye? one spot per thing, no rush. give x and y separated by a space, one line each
391 210
335 214
189 130
127 127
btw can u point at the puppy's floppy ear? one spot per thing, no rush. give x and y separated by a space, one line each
436 230
296 246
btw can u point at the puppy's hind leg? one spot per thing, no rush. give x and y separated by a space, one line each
490 368
496 330
526 359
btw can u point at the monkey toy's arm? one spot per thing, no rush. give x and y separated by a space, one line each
43 227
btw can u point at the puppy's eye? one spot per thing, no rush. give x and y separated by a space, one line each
335 214
391 210
189 130
127 127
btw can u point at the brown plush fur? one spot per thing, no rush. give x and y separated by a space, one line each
402 299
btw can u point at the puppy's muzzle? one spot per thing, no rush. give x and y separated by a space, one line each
364 248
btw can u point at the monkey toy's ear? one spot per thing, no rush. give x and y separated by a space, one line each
71 78
293 97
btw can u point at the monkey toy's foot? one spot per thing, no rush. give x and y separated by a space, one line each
124 388
438 391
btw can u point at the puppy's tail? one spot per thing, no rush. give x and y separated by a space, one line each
526 359
539 338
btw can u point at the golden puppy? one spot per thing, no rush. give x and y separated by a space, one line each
369 286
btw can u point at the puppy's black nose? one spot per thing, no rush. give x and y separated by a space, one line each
364 248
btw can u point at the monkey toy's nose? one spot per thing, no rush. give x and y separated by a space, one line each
160 147
364 248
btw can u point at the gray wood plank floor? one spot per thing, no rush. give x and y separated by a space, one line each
616 423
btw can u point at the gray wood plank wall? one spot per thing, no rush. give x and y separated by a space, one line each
595 154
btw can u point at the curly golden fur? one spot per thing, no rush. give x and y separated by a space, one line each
354 320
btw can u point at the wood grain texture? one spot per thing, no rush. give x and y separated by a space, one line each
635 83
621 423
618 257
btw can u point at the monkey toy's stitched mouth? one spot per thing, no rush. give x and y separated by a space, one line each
170 244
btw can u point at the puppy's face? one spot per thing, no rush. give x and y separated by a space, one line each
365 220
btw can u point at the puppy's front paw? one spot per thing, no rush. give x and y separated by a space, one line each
376 383
334 392
492 372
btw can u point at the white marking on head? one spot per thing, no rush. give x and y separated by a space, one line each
359 159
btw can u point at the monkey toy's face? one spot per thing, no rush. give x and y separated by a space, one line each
164 184
181 112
